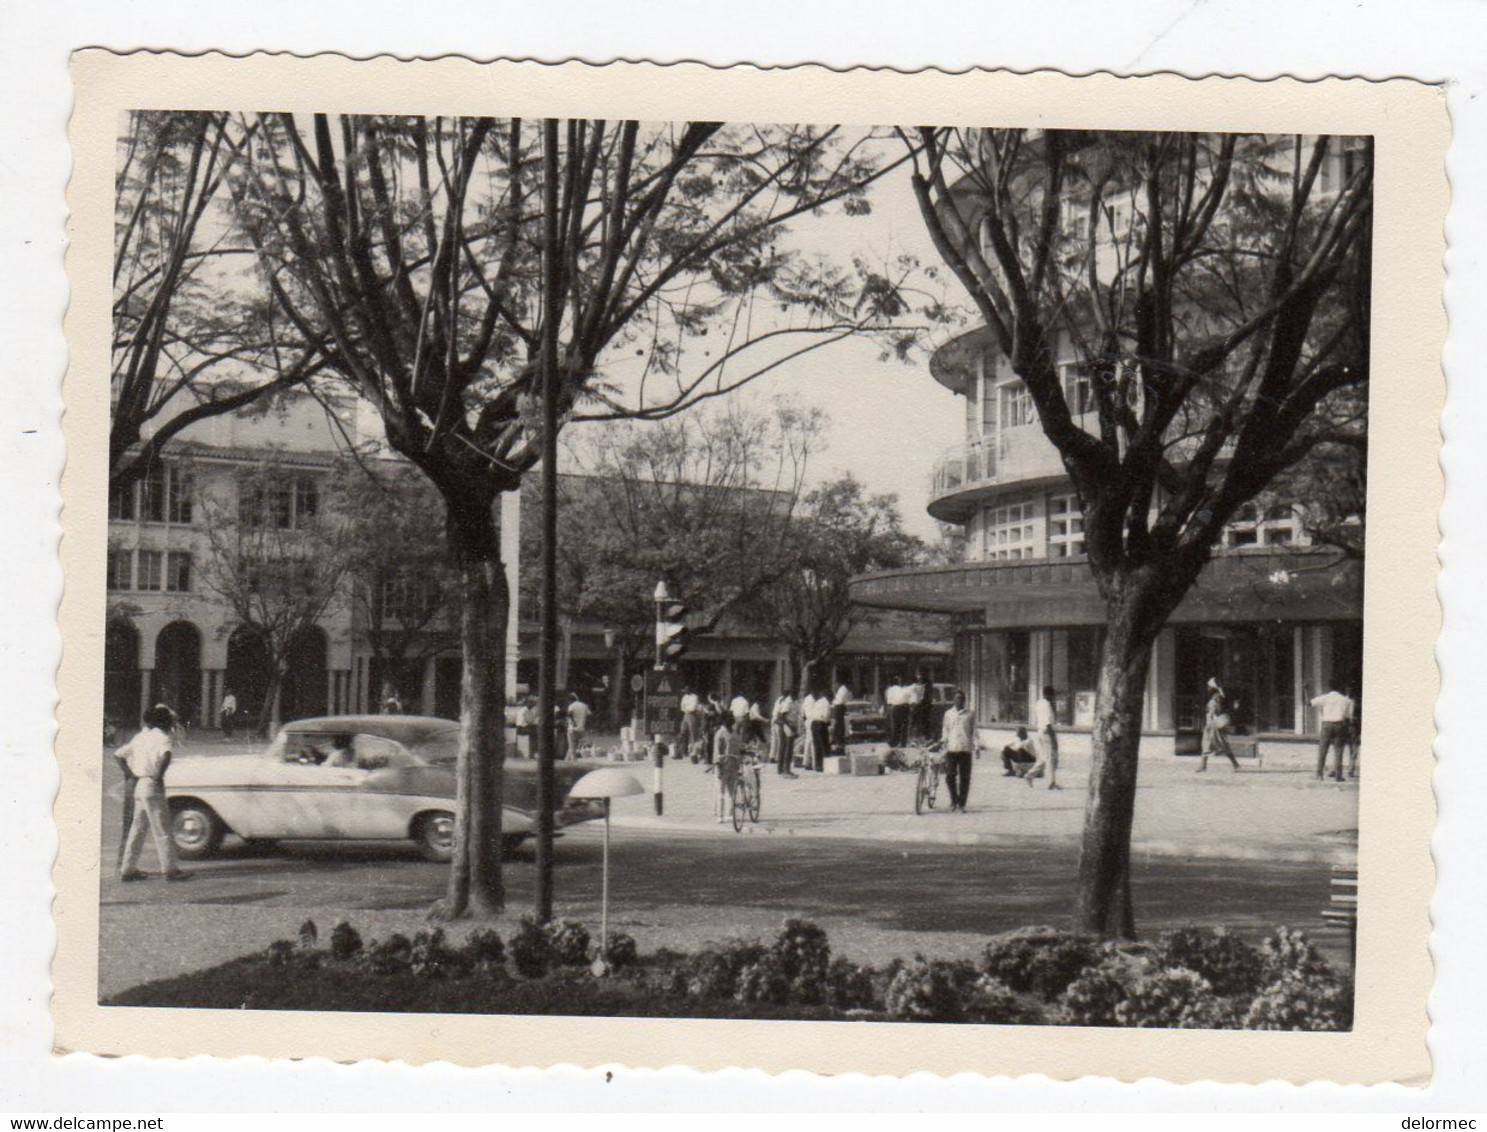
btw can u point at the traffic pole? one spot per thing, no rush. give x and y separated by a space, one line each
658 758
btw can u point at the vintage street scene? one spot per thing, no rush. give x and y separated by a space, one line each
754 570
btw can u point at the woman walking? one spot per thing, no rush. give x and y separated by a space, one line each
1216 728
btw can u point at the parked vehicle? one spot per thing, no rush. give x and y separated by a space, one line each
353 778
865 720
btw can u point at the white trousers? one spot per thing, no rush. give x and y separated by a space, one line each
153 816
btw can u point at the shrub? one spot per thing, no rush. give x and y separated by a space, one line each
570 942
345 942
484 949
622 951
431 957
1298 1002
309 935
1286 952
930 990
391 956
279 953
992 1001
850 987
802 950
1231 966
1039 960
763 980
1173 998
713 972
530 949
1092 998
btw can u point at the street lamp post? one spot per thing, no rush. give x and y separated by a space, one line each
604 784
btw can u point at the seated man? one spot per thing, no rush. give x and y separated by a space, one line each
342 751
1019 756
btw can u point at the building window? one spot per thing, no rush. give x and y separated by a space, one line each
121 504
1008 531
1079 391
152 495
178 571
1277 527
1065 526
999 674
1015 405
286 505
151 567
407 599
120 571
178 488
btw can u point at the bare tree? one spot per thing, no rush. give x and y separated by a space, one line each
441 259
1213 291
841 532
280 552
194 335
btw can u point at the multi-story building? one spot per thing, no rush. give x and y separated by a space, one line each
172 637
1267 618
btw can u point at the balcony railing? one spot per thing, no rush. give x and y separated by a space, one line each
966 465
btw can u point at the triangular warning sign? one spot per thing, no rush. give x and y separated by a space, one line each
663 686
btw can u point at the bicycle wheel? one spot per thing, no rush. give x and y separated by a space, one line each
754 800
740 805
921 790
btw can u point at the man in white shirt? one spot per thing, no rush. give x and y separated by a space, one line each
893 711
144 761
818 719
916 700
1045 722
784 734
691 729
839 720
229 714
1335 712
1019 756
578 724
958 734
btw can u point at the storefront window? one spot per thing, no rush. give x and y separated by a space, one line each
1255 665
998 671
1073 670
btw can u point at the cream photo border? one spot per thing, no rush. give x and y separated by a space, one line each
1401 614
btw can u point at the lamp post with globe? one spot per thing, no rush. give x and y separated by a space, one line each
604 784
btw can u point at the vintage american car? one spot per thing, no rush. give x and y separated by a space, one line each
354 778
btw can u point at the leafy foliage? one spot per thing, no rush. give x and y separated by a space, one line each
1039 960
1231 966
930 990
530 949
570 942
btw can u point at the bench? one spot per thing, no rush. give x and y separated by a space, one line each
1342 908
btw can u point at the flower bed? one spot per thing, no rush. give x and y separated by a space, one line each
1193 978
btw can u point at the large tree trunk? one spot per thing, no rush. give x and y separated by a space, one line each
1135 613
474 887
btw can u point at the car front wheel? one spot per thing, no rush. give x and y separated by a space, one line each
434 834
195 829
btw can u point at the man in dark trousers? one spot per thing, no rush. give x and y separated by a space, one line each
958 734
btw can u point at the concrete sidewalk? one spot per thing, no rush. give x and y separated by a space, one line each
1262 814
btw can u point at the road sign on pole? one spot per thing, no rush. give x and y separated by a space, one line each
663 701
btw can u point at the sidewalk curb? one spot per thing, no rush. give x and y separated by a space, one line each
1334 854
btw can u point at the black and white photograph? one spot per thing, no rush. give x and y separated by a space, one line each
525 555
633 568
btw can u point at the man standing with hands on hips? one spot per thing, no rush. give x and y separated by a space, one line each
1047 733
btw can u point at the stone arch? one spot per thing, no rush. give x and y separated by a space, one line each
121 673
177 674
247 673
304 691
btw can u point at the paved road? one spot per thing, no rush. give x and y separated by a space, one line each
845 852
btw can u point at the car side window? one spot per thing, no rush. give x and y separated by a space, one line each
374 752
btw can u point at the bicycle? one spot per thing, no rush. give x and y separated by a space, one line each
747 791
927 781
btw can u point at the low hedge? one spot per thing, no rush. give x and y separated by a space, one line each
1193 978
